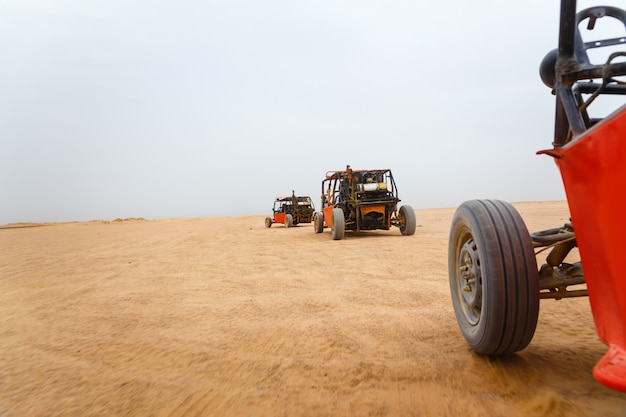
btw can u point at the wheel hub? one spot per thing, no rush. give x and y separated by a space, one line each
469 279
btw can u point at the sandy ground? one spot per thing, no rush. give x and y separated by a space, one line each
224 317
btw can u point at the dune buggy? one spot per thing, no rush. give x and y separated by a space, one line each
361 200
291 210
494 279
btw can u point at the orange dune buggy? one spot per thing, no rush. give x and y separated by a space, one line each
494 279
291 210
361 200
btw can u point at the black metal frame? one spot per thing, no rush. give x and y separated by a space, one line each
575 75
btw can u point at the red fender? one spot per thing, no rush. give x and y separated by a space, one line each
593 168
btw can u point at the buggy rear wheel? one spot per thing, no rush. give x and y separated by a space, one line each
493 275
288 220
268 222
338 224
408 223
318 222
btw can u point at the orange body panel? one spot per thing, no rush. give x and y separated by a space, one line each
593 168
375 209
279 217
328 214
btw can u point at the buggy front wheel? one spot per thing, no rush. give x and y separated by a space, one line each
408 223
268 222
493 276
318 222
338 224
288 220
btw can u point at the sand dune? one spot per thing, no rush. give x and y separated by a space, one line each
224 317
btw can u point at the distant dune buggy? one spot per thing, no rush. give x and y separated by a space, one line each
361 200
291 210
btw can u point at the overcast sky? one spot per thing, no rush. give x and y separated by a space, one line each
200 108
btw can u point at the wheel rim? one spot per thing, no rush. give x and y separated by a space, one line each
401 220
469 279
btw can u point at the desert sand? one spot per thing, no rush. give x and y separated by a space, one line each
224 317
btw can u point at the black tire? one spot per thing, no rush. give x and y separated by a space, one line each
268 222
408 223
493 274
288 220
338 224
318 222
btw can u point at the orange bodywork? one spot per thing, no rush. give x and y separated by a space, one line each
376 209
593 168
279 218
373 209
328 215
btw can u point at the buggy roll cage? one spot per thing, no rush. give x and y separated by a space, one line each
571 74
289 203
336 184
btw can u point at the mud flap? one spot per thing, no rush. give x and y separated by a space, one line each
593 168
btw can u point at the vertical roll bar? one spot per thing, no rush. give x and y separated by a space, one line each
569 121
